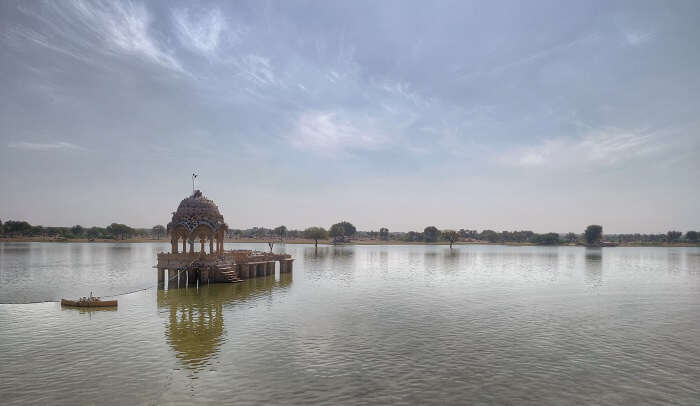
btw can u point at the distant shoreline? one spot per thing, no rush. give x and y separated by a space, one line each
355 242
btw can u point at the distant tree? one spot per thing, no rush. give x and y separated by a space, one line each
348 229
490 236
127 232
413 236
450 235
431 234
93 232
77 230
691 236
17 228
384 233
547 239
113 230
119 231
674 236
342 230
593 234
571 237
336 230
316 233
158 231
467 233
281 231
37 231
2 230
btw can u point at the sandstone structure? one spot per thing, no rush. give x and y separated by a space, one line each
197 254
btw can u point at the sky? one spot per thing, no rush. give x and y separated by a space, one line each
546 116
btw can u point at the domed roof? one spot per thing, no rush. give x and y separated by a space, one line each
197 210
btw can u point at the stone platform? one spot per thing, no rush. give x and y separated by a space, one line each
221 267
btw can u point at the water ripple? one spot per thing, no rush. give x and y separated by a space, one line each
359 325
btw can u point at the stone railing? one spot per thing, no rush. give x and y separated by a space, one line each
167 259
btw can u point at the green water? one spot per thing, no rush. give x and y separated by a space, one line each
356 325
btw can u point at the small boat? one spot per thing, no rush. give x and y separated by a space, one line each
90 301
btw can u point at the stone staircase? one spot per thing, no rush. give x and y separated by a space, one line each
228 271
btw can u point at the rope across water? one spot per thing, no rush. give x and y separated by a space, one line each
110 295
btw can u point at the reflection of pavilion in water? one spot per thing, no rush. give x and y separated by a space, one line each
195 328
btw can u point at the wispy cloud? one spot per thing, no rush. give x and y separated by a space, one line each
124 27
326 133
256 69
403 90
44 146
81 29
200 31
604 147
531 58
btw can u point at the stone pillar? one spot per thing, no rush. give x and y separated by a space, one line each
251 271
173 243
211 245
270 268
161 276
286 265
184 245
242 270
201 243
191 246
172 278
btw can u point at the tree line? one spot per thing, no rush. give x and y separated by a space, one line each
340 232
345 231
114 231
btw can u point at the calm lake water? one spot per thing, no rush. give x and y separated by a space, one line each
356 325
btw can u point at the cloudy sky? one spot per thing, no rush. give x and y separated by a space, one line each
506 115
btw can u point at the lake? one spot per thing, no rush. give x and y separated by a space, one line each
356 325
